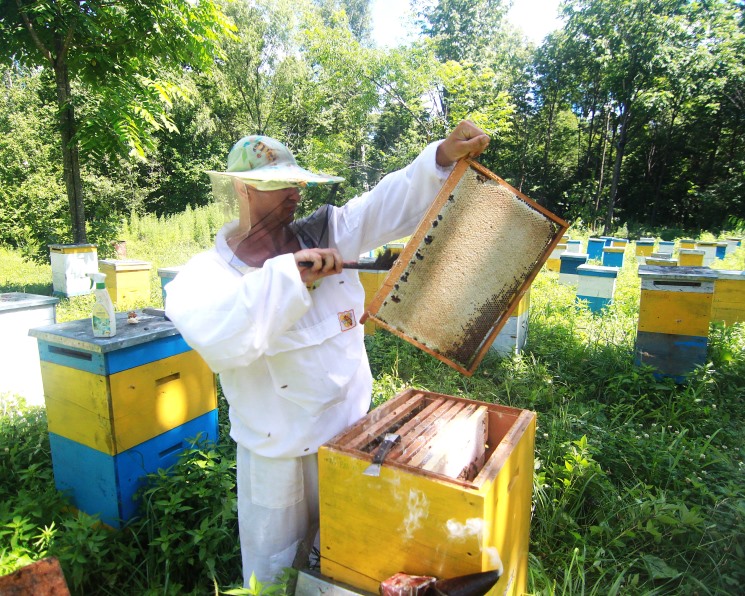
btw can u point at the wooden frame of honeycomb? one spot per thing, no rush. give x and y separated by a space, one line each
465 269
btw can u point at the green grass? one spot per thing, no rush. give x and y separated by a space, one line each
638 484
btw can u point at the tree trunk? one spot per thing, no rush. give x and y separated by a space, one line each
601 174
70 161
620 147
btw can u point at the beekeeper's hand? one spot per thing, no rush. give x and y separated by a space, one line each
466 140
317 263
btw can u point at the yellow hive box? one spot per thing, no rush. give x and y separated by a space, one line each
415 521
553 263
729 297
689 257
644 249
127 280
112 414
676 303
372 280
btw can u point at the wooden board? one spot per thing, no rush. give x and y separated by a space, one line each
42 578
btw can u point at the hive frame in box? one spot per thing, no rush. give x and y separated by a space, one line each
488 312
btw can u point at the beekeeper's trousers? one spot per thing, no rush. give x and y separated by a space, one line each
277 505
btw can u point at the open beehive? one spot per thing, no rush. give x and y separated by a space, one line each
464 270
453 496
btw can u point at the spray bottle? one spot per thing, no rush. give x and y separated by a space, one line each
103 318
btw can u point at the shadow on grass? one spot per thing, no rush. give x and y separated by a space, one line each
32 288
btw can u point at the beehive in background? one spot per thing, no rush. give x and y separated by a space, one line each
553 263
19 356
687 243
167 275
568 267
733 244
512 337
690 257
596 285
666 247
574 246
644 247
674 314
127 280
466 267
595 248
710 251
422 522
729 297
70 265
613 256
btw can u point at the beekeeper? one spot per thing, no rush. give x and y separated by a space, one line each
285 338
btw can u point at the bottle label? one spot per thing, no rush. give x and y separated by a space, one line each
101 326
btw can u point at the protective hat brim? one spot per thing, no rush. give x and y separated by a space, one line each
279 176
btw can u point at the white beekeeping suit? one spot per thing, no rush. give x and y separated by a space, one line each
291 360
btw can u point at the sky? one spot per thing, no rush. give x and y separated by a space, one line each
536 18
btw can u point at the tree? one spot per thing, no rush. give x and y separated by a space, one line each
462 29
358 15
624 38
124 55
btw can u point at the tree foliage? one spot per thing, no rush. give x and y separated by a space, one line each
632 114
124 55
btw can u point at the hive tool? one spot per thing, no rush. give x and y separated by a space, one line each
388 441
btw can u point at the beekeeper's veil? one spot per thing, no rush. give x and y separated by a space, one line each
265 164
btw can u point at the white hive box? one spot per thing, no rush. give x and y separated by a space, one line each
20 370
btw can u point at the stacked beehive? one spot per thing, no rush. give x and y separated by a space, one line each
119 408
674 316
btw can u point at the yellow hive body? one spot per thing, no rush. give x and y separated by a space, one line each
688 257
113 413
729 297
682 311
127 281
414 521
459 277
643 250
372 281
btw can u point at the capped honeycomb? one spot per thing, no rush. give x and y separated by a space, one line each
466 267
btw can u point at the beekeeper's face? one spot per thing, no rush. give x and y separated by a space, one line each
270 208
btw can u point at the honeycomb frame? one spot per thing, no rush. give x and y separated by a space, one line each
466 267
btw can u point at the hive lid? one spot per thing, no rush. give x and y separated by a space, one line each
465 269
684 274
78 334
20 301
